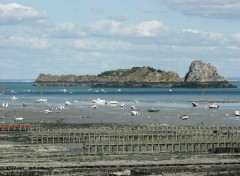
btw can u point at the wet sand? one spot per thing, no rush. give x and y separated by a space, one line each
34 113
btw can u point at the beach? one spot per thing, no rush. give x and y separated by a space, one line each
35 113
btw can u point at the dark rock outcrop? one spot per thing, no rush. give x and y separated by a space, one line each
199 75
135 77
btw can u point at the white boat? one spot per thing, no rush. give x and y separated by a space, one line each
99 101
41 100
18 118
5 104
112 102
183 117
14 98
122 105
214 105
67 103
135 113
194 104
94 107
133 108
237 113
48 110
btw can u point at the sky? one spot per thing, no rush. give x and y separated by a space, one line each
88 37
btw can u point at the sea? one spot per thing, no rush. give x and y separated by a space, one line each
172 103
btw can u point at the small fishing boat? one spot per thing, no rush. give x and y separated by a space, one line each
99 101
135 113
183 117
133 108
237 113
214 106
112 102
5 104
41 100
153 110
48 110
194 104
14 98
122 105
18 118
67 103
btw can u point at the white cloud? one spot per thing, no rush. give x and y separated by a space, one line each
206 8
236 37
197 37
104 27
116 28
20 42
109 45
151 28
14 13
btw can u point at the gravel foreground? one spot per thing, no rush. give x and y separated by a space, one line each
21 159
60 160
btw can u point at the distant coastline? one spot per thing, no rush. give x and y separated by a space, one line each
17 80
233 79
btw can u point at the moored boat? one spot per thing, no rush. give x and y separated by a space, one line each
48 110
18 118
194 104
134 113
14 98
67 103
5 104
237 113
183 117
41 100
214 105
112 102
153 110
100 101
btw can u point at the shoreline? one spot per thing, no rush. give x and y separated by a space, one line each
106 114
135 84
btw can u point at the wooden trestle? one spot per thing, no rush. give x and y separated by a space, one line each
141 139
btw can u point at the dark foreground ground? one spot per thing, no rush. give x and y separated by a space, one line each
19 157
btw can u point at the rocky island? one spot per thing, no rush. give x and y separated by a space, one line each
200 75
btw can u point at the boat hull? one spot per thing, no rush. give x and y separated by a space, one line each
153 110
237 113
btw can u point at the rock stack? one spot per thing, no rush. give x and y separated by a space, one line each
204 75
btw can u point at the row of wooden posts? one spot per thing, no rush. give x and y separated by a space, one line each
141 139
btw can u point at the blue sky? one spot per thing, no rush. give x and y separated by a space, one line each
88 37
